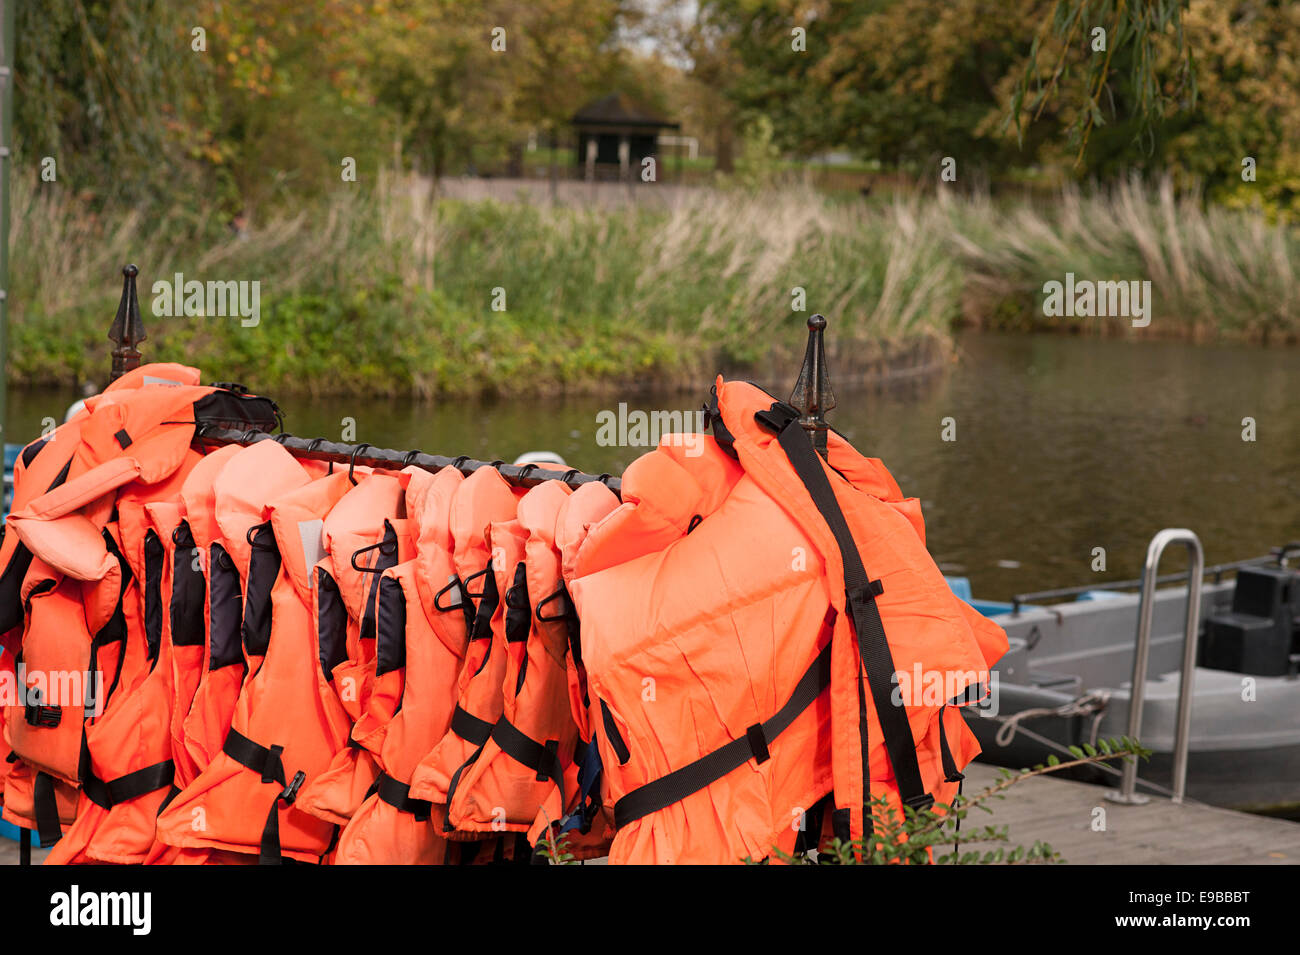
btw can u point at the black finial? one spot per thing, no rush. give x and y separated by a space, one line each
812 393
128 330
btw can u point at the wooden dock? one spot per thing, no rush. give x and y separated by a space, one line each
1064 815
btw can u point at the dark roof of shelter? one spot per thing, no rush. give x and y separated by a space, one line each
617 110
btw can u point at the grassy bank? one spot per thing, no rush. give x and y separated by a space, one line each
383 290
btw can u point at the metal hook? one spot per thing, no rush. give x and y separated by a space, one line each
410 458
352 462
568 476
459 460
526 470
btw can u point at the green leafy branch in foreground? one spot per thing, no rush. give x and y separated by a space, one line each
918 838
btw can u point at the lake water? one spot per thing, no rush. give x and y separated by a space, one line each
1062 445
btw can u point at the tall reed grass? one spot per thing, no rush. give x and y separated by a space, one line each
1214 272
390 290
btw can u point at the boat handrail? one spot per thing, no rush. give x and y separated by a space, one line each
1141 655
1218 570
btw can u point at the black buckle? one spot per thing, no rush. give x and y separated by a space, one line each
272 767
872 590
777 417
232 386
552 748
758 743
38 714
919 803
291 791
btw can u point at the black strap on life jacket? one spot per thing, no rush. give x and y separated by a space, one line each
469 727
474 731
124 788
861 593
46 809
464 723
613 735
706 770
398 795
267 762
568 615
454 784
133 785
951 773
541 758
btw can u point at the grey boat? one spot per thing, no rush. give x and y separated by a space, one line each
1068 678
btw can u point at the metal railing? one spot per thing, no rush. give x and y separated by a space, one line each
1141 655
1278 555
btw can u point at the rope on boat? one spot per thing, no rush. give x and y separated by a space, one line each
1090 704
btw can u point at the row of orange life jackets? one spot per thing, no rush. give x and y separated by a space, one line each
294 662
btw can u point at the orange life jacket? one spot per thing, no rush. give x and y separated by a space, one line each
531 751
127 770
367 529
287 721
482 499
188 611
188 632
587 825
734 700
249 478
74 652
418 650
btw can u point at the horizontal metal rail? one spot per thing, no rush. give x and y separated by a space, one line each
1217 571
365 455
